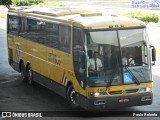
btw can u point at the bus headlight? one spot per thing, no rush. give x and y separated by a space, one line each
144 90
148 89
97 94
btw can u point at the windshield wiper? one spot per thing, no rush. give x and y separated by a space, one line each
110 82
144 63
136 80
113 75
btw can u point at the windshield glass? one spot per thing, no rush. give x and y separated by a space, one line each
117 57
104 61
135 55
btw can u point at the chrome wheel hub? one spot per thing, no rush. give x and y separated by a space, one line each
72 97
30 75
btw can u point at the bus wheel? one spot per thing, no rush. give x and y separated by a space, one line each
71 97
23 72
30 75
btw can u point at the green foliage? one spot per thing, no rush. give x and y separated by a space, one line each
5 2
146 17
26 2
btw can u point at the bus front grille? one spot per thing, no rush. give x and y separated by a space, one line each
132 91
115 93
123 92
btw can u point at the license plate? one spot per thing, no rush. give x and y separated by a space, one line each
123 100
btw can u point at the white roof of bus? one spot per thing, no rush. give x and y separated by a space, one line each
107 21
82 18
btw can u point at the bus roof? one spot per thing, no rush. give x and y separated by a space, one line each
86 19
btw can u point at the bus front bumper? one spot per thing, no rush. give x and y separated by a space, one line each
99 103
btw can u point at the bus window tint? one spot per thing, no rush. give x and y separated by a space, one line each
64 38
79 56
134 49
40 31
13 24
52 35
36 30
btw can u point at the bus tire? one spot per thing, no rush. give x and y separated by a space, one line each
71 97
30 75
23 72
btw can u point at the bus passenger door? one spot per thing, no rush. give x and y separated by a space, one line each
79 57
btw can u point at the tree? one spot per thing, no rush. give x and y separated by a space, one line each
6 3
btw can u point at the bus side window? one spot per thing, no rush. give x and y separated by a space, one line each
31 29
64 38
23 27
13 24
52 35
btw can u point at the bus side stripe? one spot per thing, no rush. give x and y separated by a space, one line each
66 82
63 77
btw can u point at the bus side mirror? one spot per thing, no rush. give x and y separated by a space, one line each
153 55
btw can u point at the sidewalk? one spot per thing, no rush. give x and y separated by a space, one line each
3 11
156 67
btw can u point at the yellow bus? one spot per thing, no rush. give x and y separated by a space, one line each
95 61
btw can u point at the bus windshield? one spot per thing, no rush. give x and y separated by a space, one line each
117 57
135 55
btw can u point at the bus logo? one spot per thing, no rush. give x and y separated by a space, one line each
123 92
